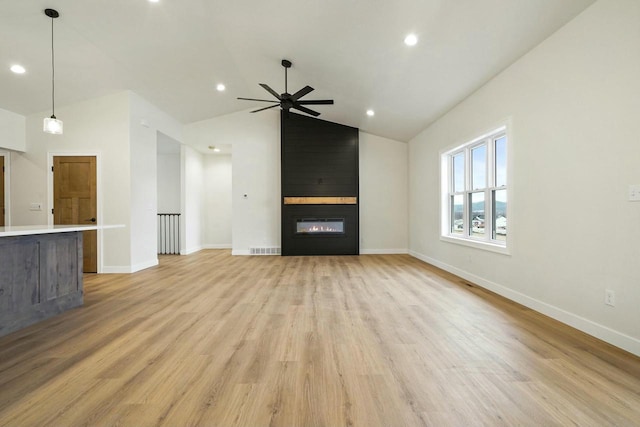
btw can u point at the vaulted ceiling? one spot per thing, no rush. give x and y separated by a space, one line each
173 53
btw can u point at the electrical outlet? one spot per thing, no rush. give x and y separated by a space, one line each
610 297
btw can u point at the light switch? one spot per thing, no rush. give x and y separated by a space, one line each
35 207
634 193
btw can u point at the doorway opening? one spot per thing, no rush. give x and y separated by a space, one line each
169 195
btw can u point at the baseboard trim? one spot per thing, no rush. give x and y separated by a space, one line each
144 265
128 269
611 336
191 250
240 252
217 246
115 269
383 251
362 251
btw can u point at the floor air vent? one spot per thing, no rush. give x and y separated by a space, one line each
264 251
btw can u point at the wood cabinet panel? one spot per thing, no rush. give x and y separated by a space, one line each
19 281
40 276
60 266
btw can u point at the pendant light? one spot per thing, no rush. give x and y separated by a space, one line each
51 124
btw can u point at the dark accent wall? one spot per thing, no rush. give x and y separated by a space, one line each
319 159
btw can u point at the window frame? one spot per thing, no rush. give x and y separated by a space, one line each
488 239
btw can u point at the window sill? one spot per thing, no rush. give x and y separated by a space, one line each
491 247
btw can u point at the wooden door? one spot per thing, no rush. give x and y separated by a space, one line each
74 201
2 191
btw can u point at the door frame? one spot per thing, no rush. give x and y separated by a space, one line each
7 186
97 155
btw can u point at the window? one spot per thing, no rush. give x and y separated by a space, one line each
474 192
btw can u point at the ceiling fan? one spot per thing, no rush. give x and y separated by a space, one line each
286 100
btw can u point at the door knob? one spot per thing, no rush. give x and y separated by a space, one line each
91 219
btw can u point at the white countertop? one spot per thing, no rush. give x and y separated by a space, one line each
25 230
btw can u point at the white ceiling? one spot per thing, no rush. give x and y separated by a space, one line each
173 53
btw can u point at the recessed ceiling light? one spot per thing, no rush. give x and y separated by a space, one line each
371 113
411 40
18 69
220 87
154 1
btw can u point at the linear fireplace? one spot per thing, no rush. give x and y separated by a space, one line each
320 230
319 187
319 225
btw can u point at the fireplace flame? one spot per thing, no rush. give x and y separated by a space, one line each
324 225
319 229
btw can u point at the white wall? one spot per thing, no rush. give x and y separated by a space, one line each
100 127
145 122
192 200
574 104
168 182
384 183
256 172
12 131
218 193
120 130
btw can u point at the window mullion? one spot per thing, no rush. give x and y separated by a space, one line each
491 162
491 179
467 194
488 215
452 192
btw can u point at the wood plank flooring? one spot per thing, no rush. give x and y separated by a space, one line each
376 340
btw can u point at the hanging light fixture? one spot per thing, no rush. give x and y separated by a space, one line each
51 124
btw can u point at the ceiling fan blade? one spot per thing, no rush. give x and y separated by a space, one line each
271 91
266 108
317 102
302 92
305 110
254 99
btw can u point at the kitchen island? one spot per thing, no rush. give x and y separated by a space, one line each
40 272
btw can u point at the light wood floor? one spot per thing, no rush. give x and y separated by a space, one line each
385 340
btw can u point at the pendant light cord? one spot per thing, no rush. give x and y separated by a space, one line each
53 75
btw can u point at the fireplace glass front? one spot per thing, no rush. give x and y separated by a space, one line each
320 226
